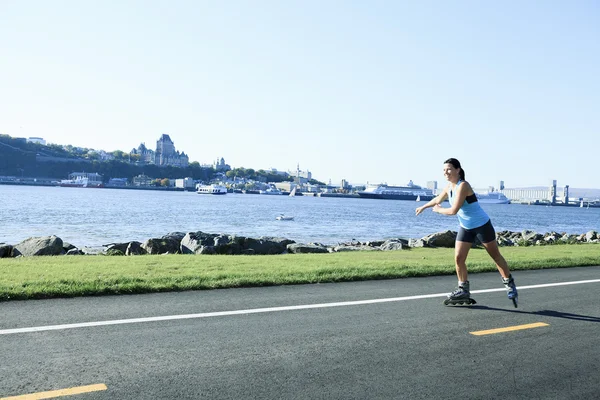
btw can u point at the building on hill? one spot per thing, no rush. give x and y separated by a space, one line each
146 154
167 155
164 155
220 166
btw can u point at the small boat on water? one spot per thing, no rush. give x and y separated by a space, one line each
282 217
211 189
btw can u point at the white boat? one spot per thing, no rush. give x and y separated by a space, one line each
284 218
419 197
211 189
492 198
293 192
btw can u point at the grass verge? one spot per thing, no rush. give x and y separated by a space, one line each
48 277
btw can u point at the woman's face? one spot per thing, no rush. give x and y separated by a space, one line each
451 173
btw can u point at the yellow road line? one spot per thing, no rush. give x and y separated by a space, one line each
507 329
58 393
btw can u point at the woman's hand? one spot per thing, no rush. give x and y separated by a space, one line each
437 208
419 210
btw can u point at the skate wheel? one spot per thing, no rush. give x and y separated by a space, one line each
446 302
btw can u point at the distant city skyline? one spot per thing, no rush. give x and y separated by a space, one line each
383 91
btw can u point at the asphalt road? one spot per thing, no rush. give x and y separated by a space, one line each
409 347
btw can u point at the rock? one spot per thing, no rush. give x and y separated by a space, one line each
531 236
591 236
441 239
297 248
5 250
134 249
114 252
417 243
502 241
379 243
75 252
122 247
192 242
161 246
174 235
339 249
394 244
40 246
267 245
206 250
68 246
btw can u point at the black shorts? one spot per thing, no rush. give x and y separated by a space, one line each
485 233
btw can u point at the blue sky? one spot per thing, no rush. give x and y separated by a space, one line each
369 91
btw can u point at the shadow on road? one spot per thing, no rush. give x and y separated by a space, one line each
545 313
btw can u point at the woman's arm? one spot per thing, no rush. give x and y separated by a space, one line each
439 199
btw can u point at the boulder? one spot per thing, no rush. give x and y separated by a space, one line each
192 242
267 245
339 249
5 250
134 249
531 236
441 239
394 244
297 248
174 235
68 246
161 246
417 243
591 236
75 252
39 246
503 241
122 247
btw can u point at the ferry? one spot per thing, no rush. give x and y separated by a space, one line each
492 198
82 180
409 192
211 189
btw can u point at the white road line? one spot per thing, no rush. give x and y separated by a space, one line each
265 310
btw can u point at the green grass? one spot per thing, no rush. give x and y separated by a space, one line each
68 276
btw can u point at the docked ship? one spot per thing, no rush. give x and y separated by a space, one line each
492 198
409 192
211 189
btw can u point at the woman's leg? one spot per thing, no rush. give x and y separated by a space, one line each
494 252
461 251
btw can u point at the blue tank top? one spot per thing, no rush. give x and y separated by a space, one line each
470 215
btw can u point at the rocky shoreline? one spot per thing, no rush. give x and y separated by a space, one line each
212 243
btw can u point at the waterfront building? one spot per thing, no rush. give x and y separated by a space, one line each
142 180
185 183
117 182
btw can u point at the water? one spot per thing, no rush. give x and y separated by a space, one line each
93 217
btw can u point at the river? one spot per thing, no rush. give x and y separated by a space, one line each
94 217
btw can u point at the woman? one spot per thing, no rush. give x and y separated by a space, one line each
474 222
